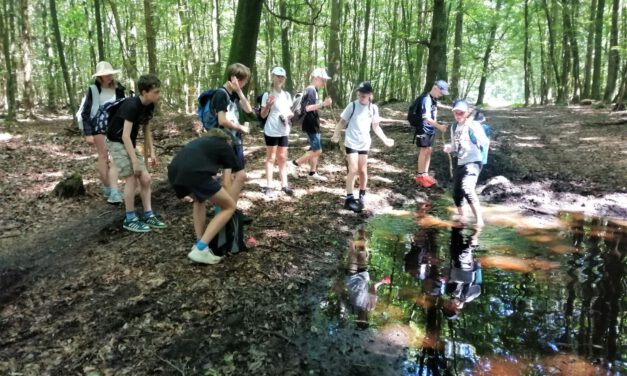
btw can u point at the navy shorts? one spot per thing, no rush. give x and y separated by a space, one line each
425 140
353 151
314 141
239 156
201 192
276 141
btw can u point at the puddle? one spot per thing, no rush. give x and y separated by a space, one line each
417 296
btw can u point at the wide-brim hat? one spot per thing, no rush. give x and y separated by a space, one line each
104 68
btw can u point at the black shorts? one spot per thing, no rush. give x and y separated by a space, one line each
276 141
239 156
424 140
353 151
201 192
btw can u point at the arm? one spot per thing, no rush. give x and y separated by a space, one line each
316 106
441 127
149 149
379 132
226 123
266 107
243 101
477 130
128 146
338 128
86 112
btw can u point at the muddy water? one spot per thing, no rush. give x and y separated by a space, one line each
419 295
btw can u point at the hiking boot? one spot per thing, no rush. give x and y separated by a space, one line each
115 197
288 191
135 225
423 181
292 169
154 222
318 177
353 204
205 256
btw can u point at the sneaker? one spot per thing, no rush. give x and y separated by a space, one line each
154 222
353 204
292 169
431 179
205 256
269 192
115 197
135 225
318 177
106 191
423 181
288 191
362 201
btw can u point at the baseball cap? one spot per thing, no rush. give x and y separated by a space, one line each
460 105
278 71
443 85
364 87
320 72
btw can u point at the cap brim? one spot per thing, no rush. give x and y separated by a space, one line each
444 92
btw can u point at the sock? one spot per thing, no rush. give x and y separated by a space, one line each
106 191
295 163
201 245
312 173
362 193
148 213
130 215
217 209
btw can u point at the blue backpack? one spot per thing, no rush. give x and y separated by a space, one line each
206 113
105 114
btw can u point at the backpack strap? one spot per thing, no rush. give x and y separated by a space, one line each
95 100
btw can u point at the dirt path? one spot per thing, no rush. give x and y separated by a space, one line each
79 295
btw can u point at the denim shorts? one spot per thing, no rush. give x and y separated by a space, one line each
314 141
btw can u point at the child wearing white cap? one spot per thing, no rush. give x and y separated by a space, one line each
311 123
467 138
276 109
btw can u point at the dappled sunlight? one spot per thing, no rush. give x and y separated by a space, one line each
504 216
381 179
4 137
375 164
517 264
498 366
527 145
568 364
272 233
394 335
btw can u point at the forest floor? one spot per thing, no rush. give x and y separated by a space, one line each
79 295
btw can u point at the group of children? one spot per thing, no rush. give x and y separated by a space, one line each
192 172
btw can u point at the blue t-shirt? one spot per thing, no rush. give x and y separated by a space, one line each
428 110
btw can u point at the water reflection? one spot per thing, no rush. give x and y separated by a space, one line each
505 301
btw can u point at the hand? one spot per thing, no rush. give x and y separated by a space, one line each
448 148
336 138
244 129
137 169
386 280
152 161
323 122
270 101
235 84
327 102
443 127
388 142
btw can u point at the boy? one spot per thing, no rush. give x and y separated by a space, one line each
425 135
192 172
311 124
226 104
360 116
121 140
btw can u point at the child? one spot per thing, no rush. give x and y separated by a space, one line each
311 124
360 116
227 108
104 89
467 138
425 135
276 108
191 173
121 140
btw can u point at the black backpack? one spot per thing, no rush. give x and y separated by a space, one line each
414 114
230 239
262 120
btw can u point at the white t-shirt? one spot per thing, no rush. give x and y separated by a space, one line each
107 94
359 123
282 106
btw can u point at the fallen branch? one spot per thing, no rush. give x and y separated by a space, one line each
171 365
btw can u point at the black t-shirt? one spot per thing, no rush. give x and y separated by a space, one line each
199 160
229 103
134 111
311 121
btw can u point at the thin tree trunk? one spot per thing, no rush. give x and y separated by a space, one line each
457 51
151 40
286 57
526 63
598 51
50 92
436 63
99 35
27 99
215 43
587 81
8 61
60 51
543 81
613 61
335 57
488 52
552 57
566 55
575 50
364 50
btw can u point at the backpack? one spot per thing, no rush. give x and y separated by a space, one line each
104 115
298 108
94 106
262 120
484 149
206 112
230 239
414 116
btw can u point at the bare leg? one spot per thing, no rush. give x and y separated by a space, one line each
239 179
145 190
227 205
129 193
103 159
281 161
352 172
362 168
270 158
199 217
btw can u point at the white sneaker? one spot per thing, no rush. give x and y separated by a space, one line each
292 169
204 257
115 197
318 177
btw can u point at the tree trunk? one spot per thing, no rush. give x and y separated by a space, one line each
488 52
215 44
457 51
50 92
613 60
543 81
335 57
90 35
436 63
587 81
151 40
27 100
8 61
364 49
595 92
245 33
566 55
573 26
526 59
100 40
552 57
60 51
286 56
